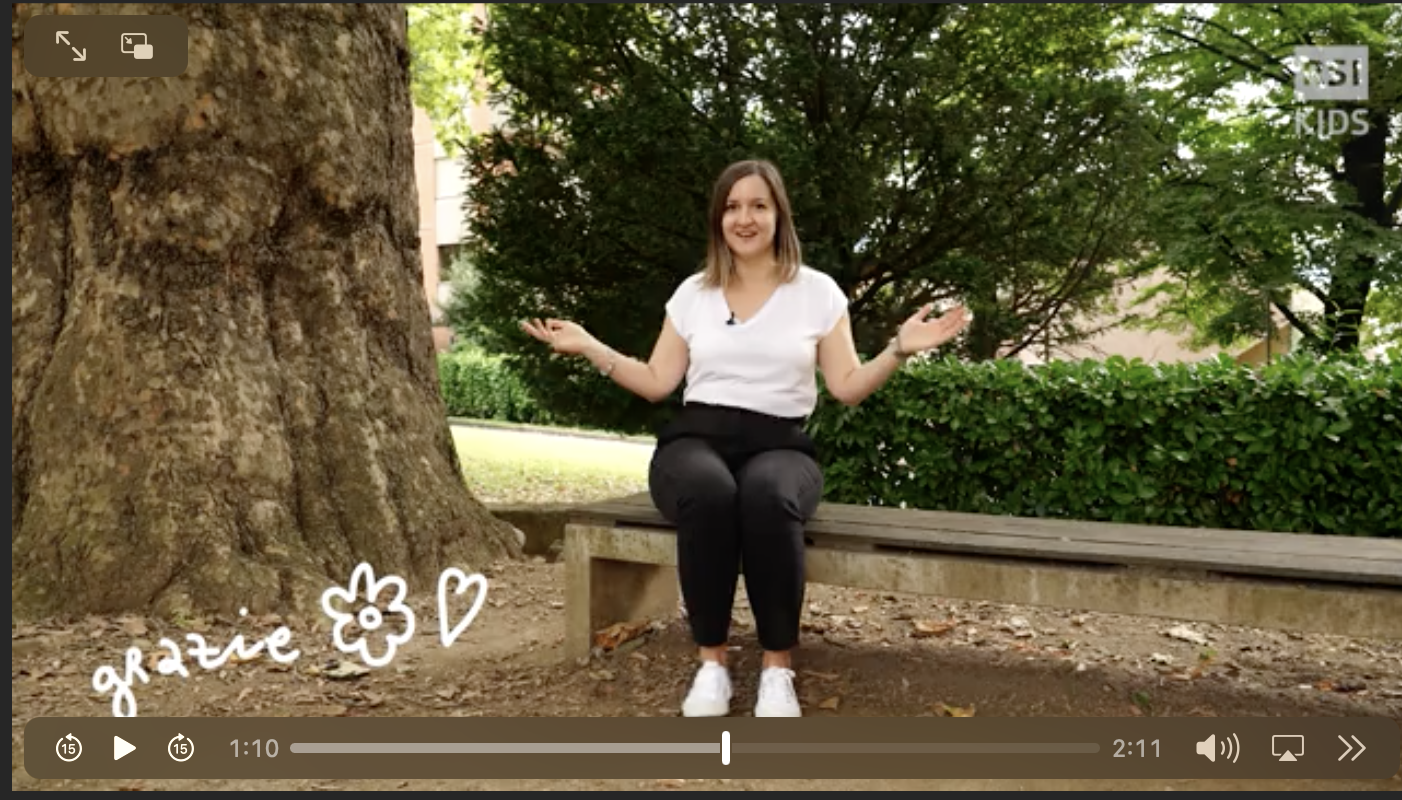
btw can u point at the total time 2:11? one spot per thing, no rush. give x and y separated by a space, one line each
1125 749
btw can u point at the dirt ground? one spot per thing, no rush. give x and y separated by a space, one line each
863 654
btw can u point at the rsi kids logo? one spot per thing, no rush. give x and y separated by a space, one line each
1338 72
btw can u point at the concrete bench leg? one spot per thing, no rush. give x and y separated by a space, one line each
600 591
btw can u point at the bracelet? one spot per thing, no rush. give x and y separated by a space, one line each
895 347
613 362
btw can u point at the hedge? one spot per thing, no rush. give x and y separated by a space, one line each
483 386
1301 445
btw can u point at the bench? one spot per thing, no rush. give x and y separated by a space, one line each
620 566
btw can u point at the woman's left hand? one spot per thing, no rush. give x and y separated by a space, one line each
917 334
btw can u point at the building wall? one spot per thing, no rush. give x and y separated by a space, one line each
1151 345
442 189
425 170
1164 346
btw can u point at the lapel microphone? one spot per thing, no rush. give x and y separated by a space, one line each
731 321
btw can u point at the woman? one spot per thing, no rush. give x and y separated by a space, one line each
735 471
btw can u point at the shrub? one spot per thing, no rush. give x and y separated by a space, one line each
1301 445
483 386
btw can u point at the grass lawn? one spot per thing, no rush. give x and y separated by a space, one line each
521 466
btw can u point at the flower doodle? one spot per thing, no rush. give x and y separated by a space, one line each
369 618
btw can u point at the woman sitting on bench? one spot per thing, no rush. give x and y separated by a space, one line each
735 472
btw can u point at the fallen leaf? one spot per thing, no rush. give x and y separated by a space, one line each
860 609
133 626
243 695
629 646
447 692
1141 701
830 704
345 671
1185 634
924 629
1325 686
954 711
618 633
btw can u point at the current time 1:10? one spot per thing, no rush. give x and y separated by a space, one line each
260 748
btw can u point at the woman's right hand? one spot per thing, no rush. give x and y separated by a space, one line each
563 336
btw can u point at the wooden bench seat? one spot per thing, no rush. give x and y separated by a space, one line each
621 558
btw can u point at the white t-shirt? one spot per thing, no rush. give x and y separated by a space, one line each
767 363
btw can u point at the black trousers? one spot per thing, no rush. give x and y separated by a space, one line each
739 487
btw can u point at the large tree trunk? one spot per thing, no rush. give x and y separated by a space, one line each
1364 170
224 383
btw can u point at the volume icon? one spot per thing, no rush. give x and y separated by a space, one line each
1229 748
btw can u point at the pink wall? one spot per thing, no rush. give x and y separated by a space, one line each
428 237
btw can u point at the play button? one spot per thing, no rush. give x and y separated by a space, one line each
121 747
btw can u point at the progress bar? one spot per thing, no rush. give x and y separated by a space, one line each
650 748
895 748
500 748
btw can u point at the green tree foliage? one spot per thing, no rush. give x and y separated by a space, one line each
988 153
445 61
1255 207
1383 322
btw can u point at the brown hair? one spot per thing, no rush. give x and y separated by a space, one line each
720 268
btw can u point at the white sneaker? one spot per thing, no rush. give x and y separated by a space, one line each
710 692
776 694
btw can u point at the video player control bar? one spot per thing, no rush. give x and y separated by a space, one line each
1358 749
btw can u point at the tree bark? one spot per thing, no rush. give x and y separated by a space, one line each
224 384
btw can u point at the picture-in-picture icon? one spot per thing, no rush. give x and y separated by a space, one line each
134 44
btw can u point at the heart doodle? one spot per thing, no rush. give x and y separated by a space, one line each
463 581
